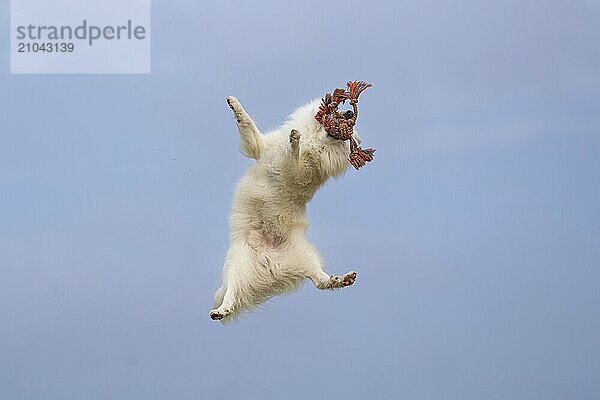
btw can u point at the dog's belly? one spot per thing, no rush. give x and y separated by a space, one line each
274 268
270 240
269 221
265 241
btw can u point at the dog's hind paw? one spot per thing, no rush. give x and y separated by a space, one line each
349 278
217 315
336 282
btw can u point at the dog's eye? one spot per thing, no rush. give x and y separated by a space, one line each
348 114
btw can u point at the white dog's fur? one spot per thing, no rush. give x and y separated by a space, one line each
269 253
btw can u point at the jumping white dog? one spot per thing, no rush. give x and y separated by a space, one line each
269 253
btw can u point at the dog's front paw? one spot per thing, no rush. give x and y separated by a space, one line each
233 102
236 107
294 136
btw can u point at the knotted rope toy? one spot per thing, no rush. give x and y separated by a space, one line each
341 126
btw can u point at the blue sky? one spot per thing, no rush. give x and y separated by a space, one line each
475 232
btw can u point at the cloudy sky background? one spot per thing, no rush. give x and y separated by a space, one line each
475 232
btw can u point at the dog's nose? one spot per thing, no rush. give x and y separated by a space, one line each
348 114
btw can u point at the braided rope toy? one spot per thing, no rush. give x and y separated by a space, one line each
341 126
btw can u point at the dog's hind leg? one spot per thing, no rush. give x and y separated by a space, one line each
314 270
219 295
324 281
226 306
237 279
250 136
